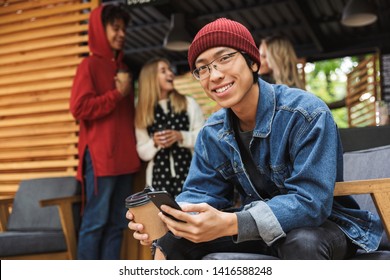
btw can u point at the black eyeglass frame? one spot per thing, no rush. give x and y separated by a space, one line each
197 76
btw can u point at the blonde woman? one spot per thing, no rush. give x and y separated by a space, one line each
280 61
167 124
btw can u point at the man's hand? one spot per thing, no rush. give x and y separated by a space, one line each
208 224
123 83
138 228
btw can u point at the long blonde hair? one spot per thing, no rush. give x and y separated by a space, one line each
149 94
282 59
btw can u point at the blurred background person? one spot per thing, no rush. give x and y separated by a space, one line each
264 71
167 124
279 62
104 105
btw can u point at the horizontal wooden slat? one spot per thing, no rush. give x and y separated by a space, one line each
17 155
40 13
37 142
33 66
361 68
34 56
38 76
363 121
358 91
44 72
64 117
39 34
363 107
358 85
362 186
35 130
33 175
16 100
187 85
28 25
39 164
9 189
363 117
203 102
357 74
25 5
35 108
43 44
60 84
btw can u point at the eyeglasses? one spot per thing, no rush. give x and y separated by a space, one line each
221 63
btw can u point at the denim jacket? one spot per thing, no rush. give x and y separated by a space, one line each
297 149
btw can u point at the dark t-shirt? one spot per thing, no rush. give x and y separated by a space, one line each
258 180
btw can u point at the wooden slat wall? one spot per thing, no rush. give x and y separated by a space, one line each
41 44
188 85
362 84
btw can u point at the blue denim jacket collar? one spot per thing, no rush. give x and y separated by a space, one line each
266 107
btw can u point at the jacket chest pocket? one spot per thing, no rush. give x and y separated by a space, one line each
230 171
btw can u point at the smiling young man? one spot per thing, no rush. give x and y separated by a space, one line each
276 146
104 106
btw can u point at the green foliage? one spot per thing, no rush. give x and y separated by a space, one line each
327 80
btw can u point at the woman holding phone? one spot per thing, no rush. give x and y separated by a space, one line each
167 124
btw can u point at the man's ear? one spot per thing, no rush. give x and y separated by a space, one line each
255 67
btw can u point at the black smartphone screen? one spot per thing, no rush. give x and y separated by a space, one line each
164 198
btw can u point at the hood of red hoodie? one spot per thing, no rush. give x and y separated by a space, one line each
97 39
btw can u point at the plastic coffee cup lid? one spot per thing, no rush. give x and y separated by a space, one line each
137 199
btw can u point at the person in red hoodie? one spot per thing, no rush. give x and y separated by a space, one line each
104 106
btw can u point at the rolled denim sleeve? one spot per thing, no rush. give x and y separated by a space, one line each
250 227
247 229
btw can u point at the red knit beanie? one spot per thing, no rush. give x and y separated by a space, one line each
226 33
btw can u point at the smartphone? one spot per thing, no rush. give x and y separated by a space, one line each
164 198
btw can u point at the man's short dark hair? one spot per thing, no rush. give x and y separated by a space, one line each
112 12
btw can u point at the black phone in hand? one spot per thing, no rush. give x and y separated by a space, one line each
164 198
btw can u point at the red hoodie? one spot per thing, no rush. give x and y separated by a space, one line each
106 117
